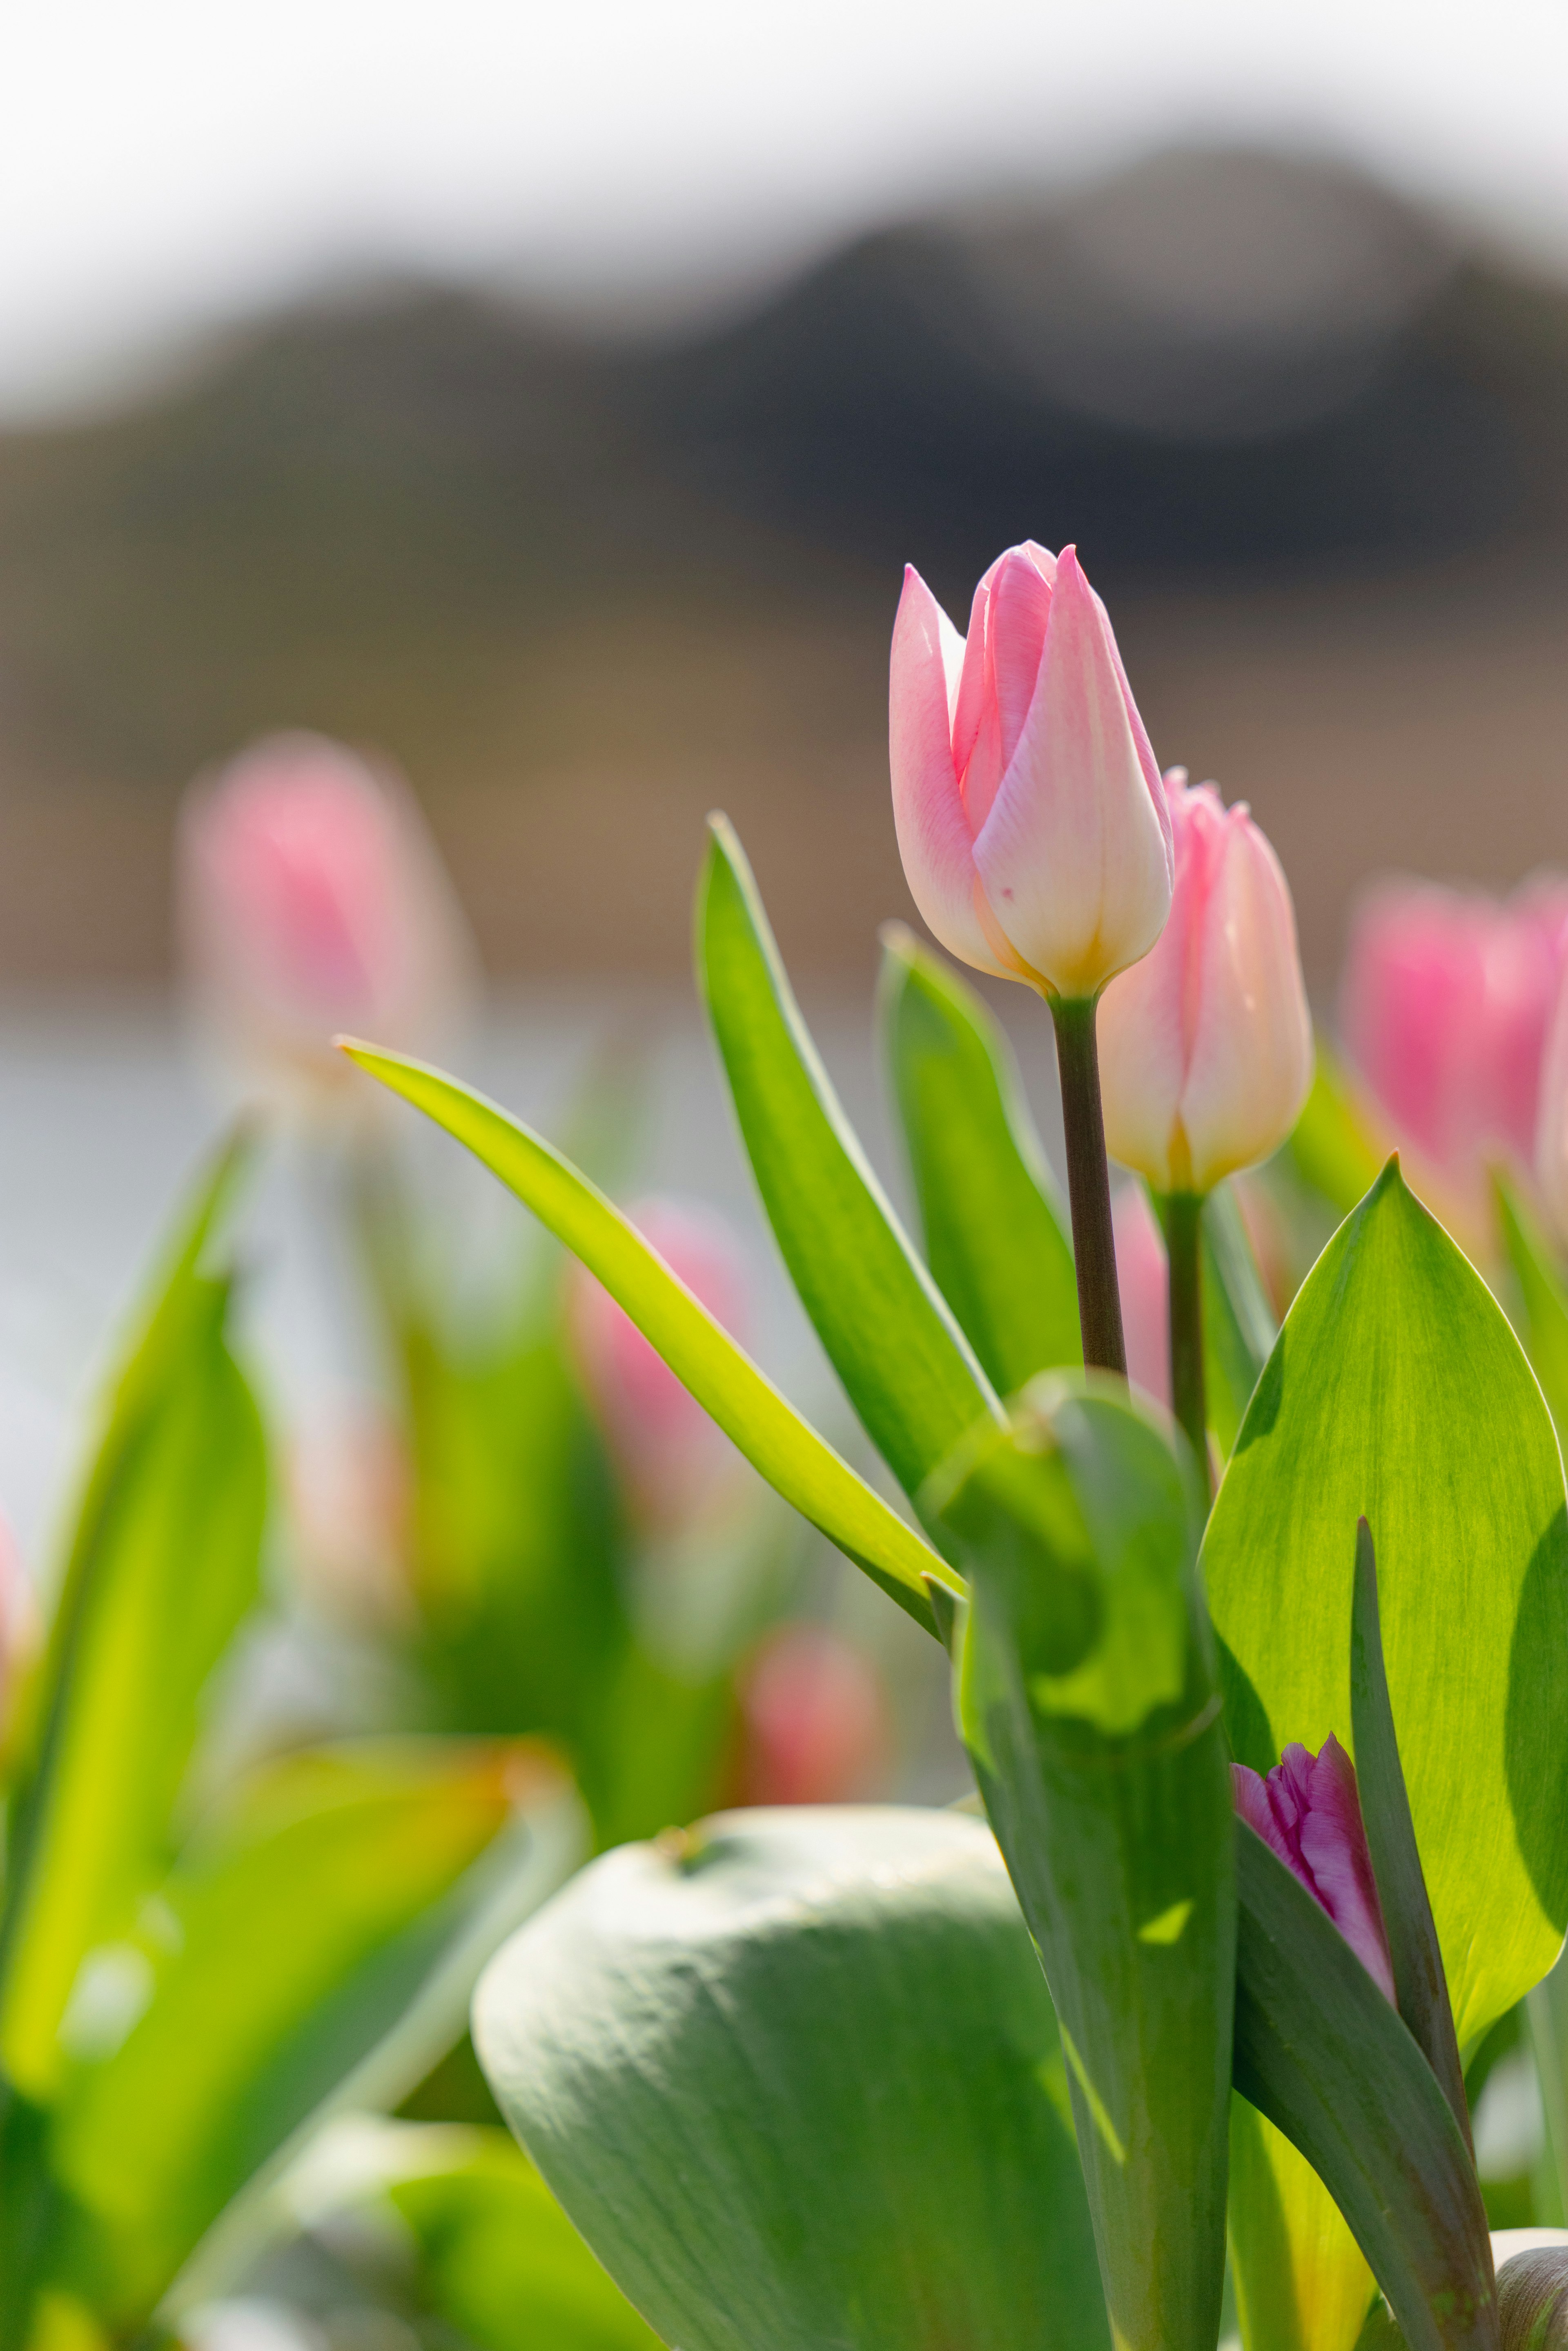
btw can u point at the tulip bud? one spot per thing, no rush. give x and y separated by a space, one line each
668 1450
1143 1271
1206 1047
813 1720
1308 1811
1445 1006
1030 819
311 900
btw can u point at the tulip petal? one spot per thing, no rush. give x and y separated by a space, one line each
927 810
1142 1031
1333 1846
1073 855
1016 625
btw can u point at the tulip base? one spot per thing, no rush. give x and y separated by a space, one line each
1182 1215
1089 1184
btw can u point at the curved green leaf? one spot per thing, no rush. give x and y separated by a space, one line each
162 1566
796 2079
1397 1390
993 1226
1088 1705
906 1366
771 1434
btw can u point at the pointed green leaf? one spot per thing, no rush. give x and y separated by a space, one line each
162 1566
771 1434
796 2078
993 1223
1322 2053
1417 1963
1088 1705
889 1334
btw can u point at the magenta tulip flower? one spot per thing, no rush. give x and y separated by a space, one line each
1206 1046
1030 819
1445 1007
312 899
1308 1811
668 1450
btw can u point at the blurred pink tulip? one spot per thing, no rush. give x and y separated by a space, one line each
20 1630
351 1488
1308 1811
1443 1008
1206 1046
1030 821
1550 1155
663 1441
312 900
1143 1273
814 1726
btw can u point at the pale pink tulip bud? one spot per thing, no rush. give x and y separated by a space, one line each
1206 1047
663 1440
311 900
1445 1006
814 1726
1143 1274
1030 821
1308 1811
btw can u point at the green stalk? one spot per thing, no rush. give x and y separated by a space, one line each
1089 1184
1183 1241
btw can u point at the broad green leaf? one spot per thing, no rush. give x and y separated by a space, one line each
163 1567
993 1224
1397 1390
1322 2053
1542 1297
1330 1147
774 1440
889 1334
1088 1705
796 2079
1238 1325
1301 2281
285 1948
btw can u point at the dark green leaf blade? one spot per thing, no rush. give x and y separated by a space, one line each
787 1451
796 2079
1323 2055
1419 1983
993 1224
889 1334
1088 1705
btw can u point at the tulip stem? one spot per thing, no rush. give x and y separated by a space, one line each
1089 1184
1184 1241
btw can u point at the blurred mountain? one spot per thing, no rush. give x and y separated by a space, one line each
583 587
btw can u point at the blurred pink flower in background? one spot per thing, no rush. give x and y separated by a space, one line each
666 1446
20 1627
1143 1274
312 900
1308 1811
814 1722
1445 1005
1206 1045
1031 824
350 1484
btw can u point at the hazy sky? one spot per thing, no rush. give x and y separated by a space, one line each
170 160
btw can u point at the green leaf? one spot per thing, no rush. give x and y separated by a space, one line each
1088 1705
1541 1296
1330 1147
774 1440
1238 1325
1417 1963
162 1566
796 2079
285 1948
906 1366
1397 1390
993 1223
1322 2053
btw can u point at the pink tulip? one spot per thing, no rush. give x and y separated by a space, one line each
1206 1046
666 1445
1445 1006
312 899
1308 1811
813 1720
1144 1273
1030 821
